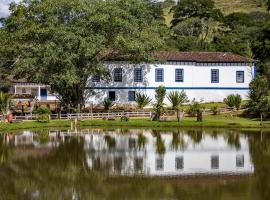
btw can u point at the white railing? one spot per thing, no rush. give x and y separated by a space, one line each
89 115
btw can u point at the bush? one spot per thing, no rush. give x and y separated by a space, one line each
233 101
194 107
214 109
43 114
124 118
107 103
142 100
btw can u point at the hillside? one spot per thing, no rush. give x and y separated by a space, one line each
229 6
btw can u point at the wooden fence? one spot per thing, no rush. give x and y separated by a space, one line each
87 115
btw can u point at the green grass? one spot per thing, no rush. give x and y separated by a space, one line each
219 121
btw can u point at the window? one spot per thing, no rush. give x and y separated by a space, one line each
159 75
112 95
23 90
159 164
179 75
138 75
131 95
214 162
240 160
96 78
117 75
240 77
214 75
179 163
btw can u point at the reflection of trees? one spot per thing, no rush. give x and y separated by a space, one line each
260 153
195 135
110 141
4 148
42 136
233 139
160 143
142 140
178 141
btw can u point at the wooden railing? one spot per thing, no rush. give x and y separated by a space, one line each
88 115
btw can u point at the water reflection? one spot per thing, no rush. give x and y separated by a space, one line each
143 152
101 164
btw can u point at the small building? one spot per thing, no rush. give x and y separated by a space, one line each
207 76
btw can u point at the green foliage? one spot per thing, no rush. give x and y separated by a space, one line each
142 100
43 114
159 105
214 109
258 97
62 42
233 101
107 103
5 100
195 8
194 108
125 118
177 99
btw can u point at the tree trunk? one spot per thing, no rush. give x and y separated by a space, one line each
178 115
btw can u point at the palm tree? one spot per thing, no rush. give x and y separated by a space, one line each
5 100
142 100
177 99
107 103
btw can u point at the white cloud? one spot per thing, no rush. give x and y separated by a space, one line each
4 5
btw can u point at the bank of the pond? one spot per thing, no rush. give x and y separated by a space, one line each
208 122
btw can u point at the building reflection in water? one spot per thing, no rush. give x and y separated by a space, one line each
151 153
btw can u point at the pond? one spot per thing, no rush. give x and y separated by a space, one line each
136 164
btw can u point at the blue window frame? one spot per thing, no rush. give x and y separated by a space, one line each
131 95
179 75
138 75
96 78
214 76
240 77
159 75
117 75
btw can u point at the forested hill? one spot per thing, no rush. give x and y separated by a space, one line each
229 6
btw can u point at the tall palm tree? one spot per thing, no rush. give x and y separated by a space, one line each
177 99
142 100
5 100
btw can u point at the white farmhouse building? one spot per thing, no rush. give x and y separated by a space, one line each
208 76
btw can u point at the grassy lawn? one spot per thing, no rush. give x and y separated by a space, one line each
219 121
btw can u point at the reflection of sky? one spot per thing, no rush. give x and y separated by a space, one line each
4 4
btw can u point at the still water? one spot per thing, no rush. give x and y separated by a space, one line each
118 164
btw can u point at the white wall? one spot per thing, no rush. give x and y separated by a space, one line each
197 81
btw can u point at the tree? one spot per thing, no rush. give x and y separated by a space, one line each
177 99
268 4
107 103
233 101
258 97
195 8
5 100
159 105
62 42
142 100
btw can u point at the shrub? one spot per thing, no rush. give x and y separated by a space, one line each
159 105
233 101
214 109
125 118
43 114
107 103
142 100
194 107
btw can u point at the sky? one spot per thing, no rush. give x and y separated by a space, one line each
4 4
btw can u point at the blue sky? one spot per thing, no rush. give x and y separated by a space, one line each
4 4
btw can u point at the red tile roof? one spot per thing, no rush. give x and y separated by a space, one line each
201 56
